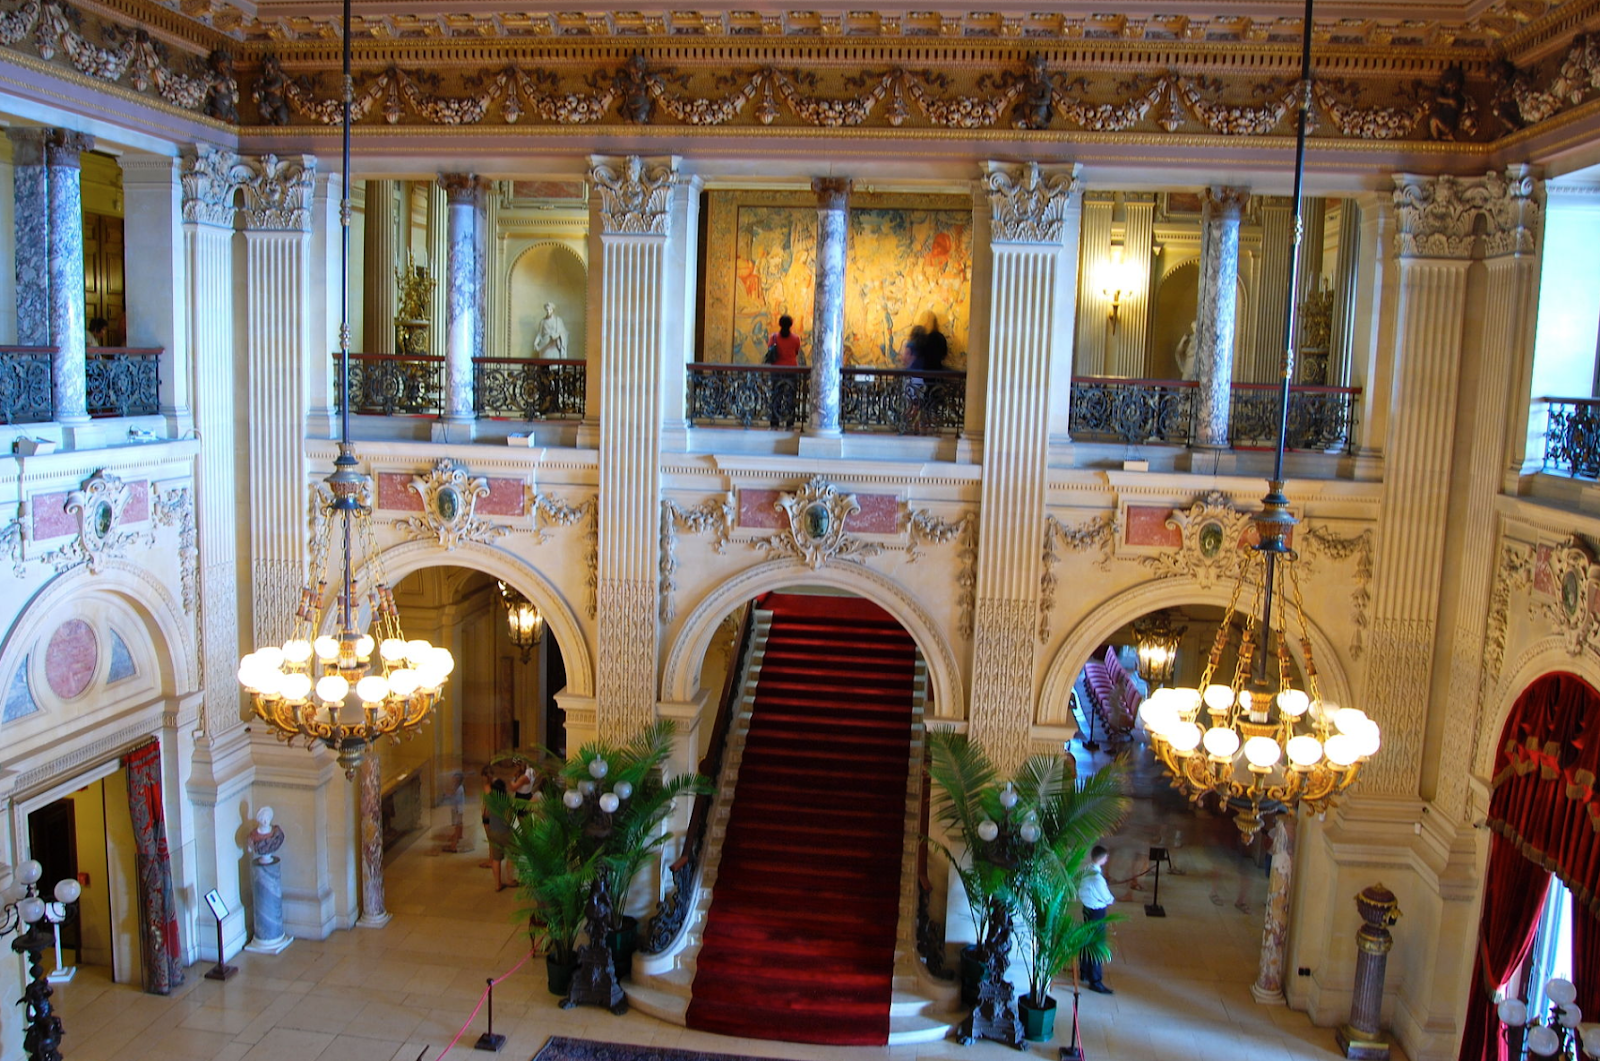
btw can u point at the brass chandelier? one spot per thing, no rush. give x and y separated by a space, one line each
1261 746
350 688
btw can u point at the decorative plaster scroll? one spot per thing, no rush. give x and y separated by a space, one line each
1513 573
716 515
1317 539
450 496
97 509
1437 216
1028 202
817 514
209 180
12 537
1002 681
1212 530
924 527
1095 531
625 699
175 508
1574 582
634 197
545 511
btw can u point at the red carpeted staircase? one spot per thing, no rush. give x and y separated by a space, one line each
799 942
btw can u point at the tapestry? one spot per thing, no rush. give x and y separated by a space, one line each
910 256
158 923
561 1048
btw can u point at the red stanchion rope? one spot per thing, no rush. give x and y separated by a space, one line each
483 998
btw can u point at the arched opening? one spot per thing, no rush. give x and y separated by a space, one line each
547 274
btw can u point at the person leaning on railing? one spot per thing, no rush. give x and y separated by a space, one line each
783 350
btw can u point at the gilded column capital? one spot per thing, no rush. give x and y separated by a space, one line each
209 179
833 193
1228 201
463 188
635 193
277 191
63 147
1028 202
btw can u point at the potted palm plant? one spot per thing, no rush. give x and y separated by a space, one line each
1055 937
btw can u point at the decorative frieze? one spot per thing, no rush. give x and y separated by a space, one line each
175 508
635 194
1095 532
924 527
1318 540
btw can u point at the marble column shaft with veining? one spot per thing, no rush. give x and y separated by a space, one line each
1268 987
464 281
31 196
1030 282
827 314
380 247
67 334
266 891
1216 314
369 776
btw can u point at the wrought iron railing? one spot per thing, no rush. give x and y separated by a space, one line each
904 401
761 395
123 381
1321 419
1572 437
522 389
1133 410
1139 411
393 384
25 384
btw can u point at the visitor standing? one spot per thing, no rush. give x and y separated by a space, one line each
783 351
1096 896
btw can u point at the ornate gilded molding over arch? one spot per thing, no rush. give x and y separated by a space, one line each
681 672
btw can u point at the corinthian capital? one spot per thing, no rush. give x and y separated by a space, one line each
209 180
277 191
1511 214
1027 201
63 147
467 188
635 193
1437 216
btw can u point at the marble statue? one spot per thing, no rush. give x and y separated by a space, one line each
266 885
1184 353
552 332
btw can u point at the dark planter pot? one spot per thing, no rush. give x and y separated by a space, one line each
1038 1025
622 943
560 974
971 974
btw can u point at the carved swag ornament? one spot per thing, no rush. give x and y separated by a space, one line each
817 514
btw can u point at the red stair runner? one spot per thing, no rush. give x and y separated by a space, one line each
799 941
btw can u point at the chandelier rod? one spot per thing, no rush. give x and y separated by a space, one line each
347 589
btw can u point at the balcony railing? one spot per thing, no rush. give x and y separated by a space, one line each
519 389
508 387
1572 437
122 381
900 401
25 384
1141 411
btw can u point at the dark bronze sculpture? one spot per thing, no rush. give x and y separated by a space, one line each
995 1015
595 982
1035 106
271 93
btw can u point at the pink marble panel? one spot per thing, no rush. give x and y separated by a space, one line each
1147 525
70 658
395 493
50 518
503 499
1542 580
137 508
880 513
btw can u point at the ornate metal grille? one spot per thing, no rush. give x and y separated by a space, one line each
122 382
724 395
903 401
1572 437
1132 410
1321 419
25 384
522 389
387 384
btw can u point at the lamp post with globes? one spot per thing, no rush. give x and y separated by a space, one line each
34 918
1560 1035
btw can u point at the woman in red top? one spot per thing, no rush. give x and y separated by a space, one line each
781 403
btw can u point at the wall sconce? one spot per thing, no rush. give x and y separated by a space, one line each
523 621
1119 278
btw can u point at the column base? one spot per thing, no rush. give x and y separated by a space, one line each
822 445
269 946
1204 460
969 449
1268 996
1366 467
455 430
1354 1043
674 437
588 435
374 921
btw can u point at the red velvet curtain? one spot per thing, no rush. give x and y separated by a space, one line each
1586 960
158 934
1512 895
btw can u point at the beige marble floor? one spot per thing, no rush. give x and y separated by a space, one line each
399 993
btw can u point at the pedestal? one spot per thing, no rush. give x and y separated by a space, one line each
266 891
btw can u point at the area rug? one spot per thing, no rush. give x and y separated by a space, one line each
561 1048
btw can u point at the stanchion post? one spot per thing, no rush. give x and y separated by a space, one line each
489 1040
1153 908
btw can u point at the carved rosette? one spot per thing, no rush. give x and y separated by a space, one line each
1438 215
1212 530
450 496
817 514
277 191
1028 202
635 193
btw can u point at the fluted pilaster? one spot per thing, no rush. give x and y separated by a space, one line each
438 263
1262 359
1128 342
1092 358
381 244
1217 313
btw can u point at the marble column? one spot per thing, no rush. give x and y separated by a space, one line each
1128 342
464 194
1216 314
1268 988
1095 239
279 343
641 210
1261 360
1028 290
64 177
369 776
31 197
380 247
827 314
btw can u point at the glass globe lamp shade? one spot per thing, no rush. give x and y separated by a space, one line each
373 689
1218 697
332 689
1262 752
417 652
1513 1011
270 657
1184 737
1543 1041
572 798
1293 702
296 651
31 909
1561 991
1304 751
1186 702
1590 1038
68 890
609 802
327 648
1008 796
1349 719
1221 742
364 646
623 789
1571 1015
987 831
296 687
1342 749
1158 715
403 682
1367 739
598 768
29 872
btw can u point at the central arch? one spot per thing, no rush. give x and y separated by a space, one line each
681 678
